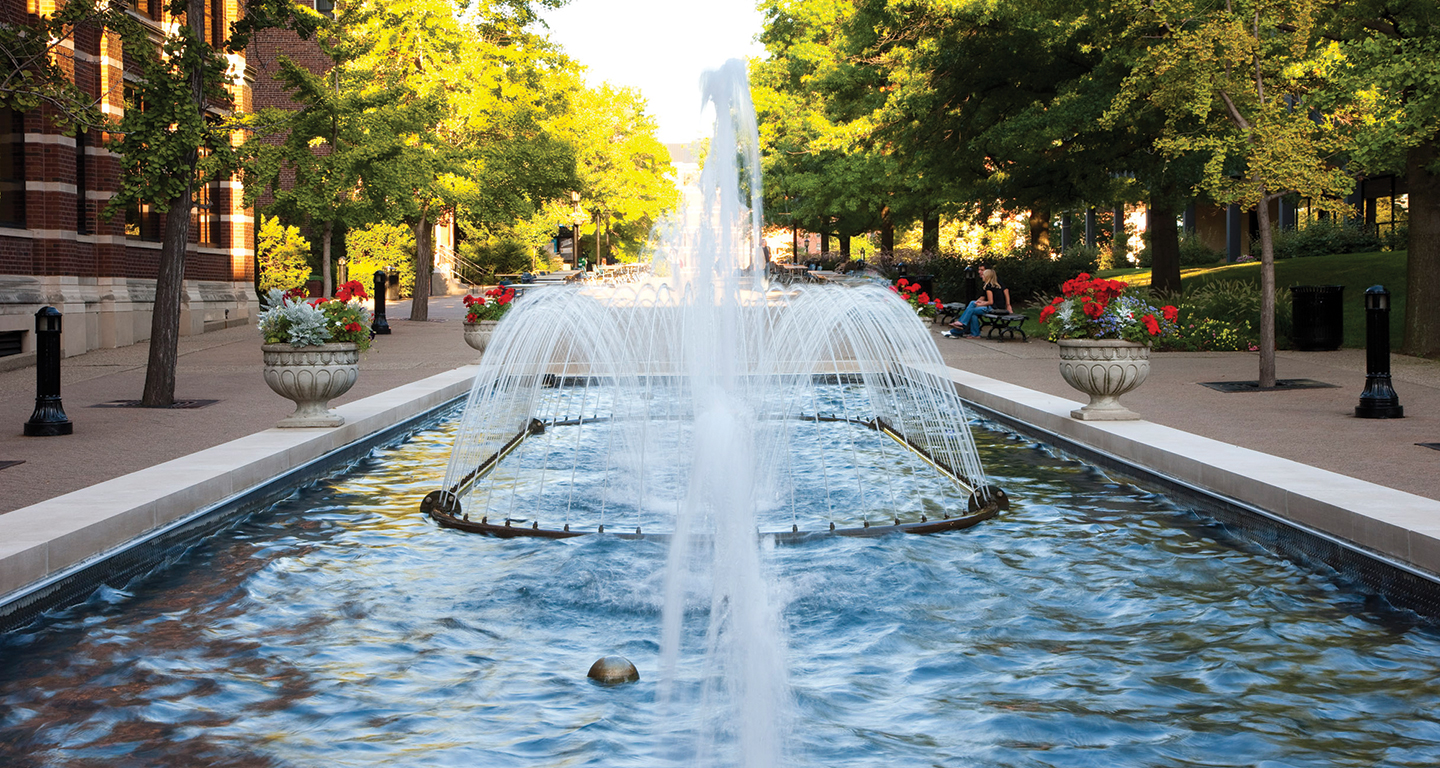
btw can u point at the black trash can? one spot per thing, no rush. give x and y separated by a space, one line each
926 283
1318 317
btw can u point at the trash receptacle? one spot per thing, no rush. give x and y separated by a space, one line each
1318 317
926 283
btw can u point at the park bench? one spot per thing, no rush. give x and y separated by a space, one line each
949 312
1003 325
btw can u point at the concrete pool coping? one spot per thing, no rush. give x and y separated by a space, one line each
44 545
1394 527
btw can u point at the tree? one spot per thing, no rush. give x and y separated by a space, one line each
1247 74
623 171
280 256
1392 62
167 128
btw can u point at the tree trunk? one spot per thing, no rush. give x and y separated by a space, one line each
1267 295
887 231
1164 248
1422 269
845 246
159 391
424 268
824 238
329 284
1039 232
930 234
1119 241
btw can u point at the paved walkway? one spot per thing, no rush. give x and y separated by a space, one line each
1310 426
222 366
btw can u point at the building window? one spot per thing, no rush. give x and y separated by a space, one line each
207 217
326 7
143 221
12 168
218 27
82 214
153 8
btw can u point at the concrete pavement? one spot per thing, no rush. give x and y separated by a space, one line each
1314 426
1311 426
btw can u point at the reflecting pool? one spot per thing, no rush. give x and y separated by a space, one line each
1096 623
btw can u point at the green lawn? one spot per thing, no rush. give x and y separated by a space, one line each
1355 271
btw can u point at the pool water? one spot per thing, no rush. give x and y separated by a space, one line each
1094 624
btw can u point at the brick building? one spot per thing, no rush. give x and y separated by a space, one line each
56 246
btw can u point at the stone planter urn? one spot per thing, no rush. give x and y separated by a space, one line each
312 377
1104 369
477 335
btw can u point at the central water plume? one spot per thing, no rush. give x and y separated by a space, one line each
704 405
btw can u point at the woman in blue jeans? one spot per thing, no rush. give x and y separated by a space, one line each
994 297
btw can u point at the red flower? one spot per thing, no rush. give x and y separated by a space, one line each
939 305
893 289
317 302
1057 300
354 328
913 287
295 293
924 298
1094 310
1047 312
1151 324
902 282
1172 314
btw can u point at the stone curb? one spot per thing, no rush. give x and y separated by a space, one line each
44 539
1398 525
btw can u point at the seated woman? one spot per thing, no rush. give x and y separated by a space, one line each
994 297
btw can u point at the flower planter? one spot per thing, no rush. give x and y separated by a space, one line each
477 335
1104 369
312 377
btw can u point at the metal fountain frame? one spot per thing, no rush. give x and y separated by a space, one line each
444 506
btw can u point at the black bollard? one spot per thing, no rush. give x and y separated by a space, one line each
49 417
380 325
1379 400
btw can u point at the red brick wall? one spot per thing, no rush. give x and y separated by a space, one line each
51 205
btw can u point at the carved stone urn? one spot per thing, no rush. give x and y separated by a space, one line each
1104 369
312 377
477 335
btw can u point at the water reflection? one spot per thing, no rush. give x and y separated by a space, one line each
1096 623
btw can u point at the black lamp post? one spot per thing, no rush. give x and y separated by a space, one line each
1379 400
379 325
49 417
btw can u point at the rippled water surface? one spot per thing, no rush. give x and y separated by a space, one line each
1095 624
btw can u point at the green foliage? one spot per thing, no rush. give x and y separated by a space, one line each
1234 304
1194 253
496 256
1205 334
380 246
1322 238
1027 277
293 320
281 256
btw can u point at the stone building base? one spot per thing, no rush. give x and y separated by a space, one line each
106 312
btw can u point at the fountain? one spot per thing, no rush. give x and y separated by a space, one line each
1105 623
680 405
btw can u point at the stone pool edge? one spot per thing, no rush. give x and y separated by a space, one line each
44 544
1391 525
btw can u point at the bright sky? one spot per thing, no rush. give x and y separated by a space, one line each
660 47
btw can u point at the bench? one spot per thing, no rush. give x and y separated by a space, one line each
1003 325
949 312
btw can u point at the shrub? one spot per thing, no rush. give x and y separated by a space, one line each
379 246
494 256
281 256
1235 304
1322 238
1193 253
